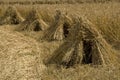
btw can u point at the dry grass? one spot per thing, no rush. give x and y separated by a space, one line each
34 2
22 53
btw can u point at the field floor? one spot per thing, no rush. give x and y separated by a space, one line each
23 53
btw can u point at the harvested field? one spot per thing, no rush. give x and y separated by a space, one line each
60 41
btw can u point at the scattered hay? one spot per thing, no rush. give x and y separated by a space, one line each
33 22
11 16
85 45
60 28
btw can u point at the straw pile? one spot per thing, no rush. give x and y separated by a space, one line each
60 28
11 16
85 45
33 22
19 57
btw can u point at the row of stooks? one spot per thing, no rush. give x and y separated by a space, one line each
83 43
